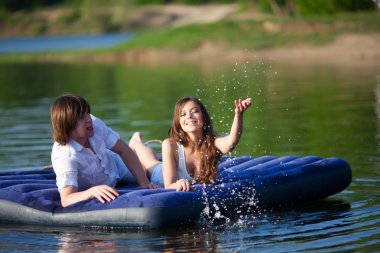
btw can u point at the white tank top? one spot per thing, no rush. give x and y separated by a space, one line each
182 170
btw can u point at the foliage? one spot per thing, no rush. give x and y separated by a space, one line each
313 7
184 1
14 5
301 7
251 34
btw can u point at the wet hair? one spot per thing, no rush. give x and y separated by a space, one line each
64 114
210 155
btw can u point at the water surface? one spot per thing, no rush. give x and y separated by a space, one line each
61 43
297 110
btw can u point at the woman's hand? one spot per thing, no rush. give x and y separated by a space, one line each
182 185
242 105
103 193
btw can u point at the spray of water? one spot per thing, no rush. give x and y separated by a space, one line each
229 202
244 80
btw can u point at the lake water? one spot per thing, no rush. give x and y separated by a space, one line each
61 43
297 110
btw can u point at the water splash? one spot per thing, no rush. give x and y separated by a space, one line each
229 202
219 212
241 80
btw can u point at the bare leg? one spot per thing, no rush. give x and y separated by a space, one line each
144 153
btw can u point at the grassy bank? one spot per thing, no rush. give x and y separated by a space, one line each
252 34
238 32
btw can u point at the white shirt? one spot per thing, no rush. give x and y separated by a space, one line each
75 165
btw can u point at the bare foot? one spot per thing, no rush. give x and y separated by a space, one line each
136 138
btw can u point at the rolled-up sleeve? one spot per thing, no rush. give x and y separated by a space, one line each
65 171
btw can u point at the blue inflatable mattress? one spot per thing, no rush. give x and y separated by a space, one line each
244 183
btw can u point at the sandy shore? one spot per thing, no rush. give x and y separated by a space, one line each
347 50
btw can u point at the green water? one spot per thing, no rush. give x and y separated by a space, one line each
297 110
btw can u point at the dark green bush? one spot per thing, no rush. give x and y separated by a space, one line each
326 7
302 7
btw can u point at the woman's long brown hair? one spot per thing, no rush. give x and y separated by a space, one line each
210 155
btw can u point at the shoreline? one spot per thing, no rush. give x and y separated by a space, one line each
358 48
347 50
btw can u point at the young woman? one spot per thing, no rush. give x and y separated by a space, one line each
192 151
87 156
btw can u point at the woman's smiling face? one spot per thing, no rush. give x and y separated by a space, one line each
191 118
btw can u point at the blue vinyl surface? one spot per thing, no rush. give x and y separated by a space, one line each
267 181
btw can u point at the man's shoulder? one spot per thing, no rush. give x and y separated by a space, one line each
98 124
60 150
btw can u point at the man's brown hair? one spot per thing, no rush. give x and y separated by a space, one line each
65 113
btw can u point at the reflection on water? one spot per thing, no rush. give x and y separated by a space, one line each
297 110
85 242
315 227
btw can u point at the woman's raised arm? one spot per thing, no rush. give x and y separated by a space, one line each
228 143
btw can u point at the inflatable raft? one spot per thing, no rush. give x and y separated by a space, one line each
244 184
